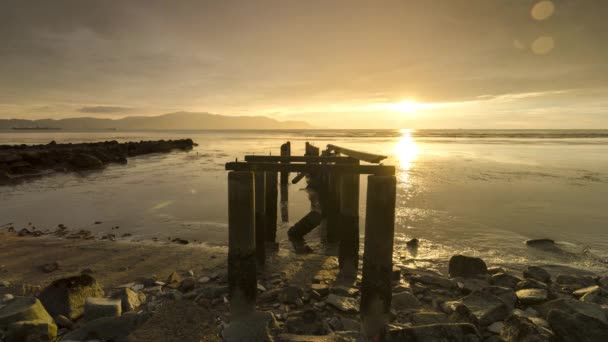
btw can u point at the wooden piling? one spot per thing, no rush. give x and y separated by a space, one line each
271 207
333 218
376 288
285 152
348 249
242 280
260 217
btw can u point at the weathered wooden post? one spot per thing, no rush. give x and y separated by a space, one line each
285 152
260 216
271 207
242 280
348 249
376 288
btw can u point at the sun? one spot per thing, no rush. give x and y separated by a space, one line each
406 106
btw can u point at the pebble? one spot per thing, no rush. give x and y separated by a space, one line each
137 287
204 280
191 273
5 283
7 298
261 287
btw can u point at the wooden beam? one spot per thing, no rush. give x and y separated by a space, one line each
368 157
378 170
300 159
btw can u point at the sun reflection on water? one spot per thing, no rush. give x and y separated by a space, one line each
406 152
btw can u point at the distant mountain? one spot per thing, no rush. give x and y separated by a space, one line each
178 120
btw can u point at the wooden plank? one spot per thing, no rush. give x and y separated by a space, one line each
300 159
379 170
368 157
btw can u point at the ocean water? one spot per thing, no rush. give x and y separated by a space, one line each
479 192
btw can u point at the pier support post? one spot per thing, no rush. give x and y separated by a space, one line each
285 152
348 250
260 217
242 278
376 291
271 207
332 203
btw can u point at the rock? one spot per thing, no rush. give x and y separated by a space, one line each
506 294
67 296
434 281
531 284
519 328
495 269
84 161
486 307
505 280
464 266
252 328
64 322
51 267
107 328
32 331
345 291
540 243
7 298
597 296
188 284
174 278
434 332
5 283
581 292
425 318
496 327
130 300
204 280
321 289
95 308
344 304
23 309
291 295
138 287
572 306
305 323
413 243
574 282
469 285
576 327
396 274
404 301
537 273
531 296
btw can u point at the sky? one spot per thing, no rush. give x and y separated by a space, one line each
332 63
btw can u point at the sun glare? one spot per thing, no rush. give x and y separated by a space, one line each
406 151
407 106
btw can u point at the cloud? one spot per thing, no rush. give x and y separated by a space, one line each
104 110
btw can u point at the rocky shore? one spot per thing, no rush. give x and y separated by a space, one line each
165 300
18 162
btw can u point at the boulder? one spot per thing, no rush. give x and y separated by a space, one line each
107 328
307 322
506 294
572 306
404 301
486 307
531 296
255 327
505 280
67 296
518 328
32 331
434 332
130 299
576 327
464 266
95 308
537 273
23 309
344 304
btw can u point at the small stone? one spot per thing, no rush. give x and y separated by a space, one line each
464 266
261 287
413 243
537 273
191 273
127 285
7 298
204 280
95 308
130 299
137 287
188 284
495 269
505 279
531 296
345 291
173 278
496 327
344 304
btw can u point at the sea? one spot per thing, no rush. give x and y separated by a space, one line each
475 192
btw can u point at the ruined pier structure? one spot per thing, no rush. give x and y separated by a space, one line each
252 221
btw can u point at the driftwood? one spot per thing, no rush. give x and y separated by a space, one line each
368 157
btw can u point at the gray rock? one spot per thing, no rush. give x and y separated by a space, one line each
344 304
506 294
469 285
67 296
306 322
531 284
464 266
505 280
404 301
486 307
496 327
130 299
253 328
95 308
537 273
34 331
518 328
576 327
5 283
531 296
107 328
540 243
575 282
434 281
23 309
434 332
6 298
572 306
188 284
425 318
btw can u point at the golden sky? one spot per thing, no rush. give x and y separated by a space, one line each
333 63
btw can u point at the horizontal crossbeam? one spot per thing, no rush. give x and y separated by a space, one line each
379 170
300 159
